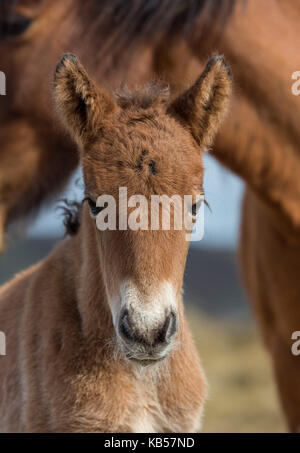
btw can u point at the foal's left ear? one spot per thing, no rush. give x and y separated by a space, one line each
81 103
203 107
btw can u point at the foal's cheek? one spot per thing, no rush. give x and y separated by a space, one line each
177 260
112 265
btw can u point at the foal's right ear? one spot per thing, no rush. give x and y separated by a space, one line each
82 104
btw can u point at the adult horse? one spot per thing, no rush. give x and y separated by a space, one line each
259 141
35 154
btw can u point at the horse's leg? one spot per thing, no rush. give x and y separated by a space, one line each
270 267
287 373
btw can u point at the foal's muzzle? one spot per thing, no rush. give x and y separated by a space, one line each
145 344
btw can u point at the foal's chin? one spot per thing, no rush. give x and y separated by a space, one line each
142 359
146 361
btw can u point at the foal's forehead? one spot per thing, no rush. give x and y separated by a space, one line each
147 150
153 127
150 132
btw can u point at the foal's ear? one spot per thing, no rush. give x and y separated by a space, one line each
203 107
81 103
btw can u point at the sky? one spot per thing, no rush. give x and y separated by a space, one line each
223 192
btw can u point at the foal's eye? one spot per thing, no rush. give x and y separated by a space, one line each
94 209
196 206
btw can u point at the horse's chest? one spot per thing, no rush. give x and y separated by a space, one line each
148 416
145 422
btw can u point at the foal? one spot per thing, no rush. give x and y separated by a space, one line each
96 336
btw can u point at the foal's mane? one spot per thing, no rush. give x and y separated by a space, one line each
150 95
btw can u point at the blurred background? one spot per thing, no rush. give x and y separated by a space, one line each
242 395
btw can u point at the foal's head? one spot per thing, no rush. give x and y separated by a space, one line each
152 146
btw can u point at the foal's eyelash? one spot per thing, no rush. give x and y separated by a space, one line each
207 204
87 198
205 201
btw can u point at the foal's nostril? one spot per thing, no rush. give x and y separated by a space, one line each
125 327
168 329
144 336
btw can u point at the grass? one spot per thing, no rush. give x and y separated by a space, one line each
242 394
